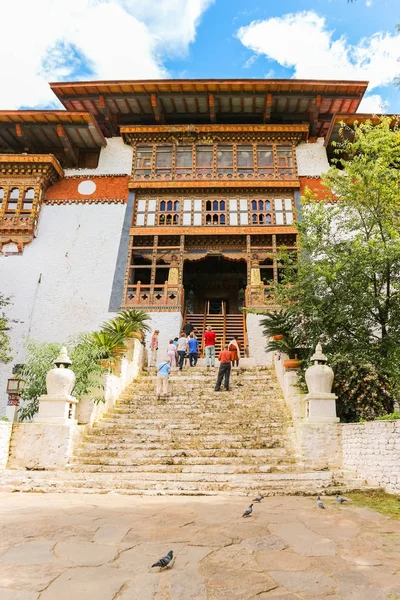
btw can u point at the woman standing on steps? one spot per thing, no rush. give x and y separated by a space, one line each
171 353
234 349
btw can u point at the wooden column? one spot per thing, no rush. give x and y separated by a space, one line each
275 251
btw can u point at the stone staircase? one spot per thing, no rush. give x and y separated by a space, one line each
196 441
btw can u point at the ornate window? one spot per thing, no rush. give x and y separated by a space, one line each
168 213
27 202
204 156
216 212
13 198
143 162
285 162
265 161
221 161
261 212
245 162
164 162
184 162
225 161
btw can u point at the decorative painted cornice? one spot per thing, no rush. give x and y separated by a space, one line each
184 186
44 166
60 201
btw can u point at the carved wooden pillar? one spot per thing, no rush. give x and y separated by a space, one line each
275 251
255 271
173 273
153 268
248 258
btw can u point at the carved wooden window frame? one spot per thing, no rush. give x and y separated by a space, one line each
194 210
282 167
23 186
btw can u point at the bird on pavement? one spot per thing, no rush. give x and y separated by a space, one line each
320 504
259 498
340 499
248 511
164 561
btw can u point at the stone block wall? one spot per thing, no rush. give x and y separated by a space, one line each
5 434
372 451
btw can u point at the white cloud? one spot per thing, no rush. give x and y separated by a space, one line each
373 104
49 40
303 42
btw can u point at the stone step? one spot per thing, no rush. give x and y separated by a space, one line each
162 443
197 456
133 425
124 460
130 483
164 436
164 469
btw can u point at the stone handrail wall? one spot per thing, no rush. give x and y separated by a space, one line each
372 451
48 445
5 434
367 451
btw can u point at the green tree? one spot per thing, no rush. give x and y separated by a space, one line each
345 289
5 346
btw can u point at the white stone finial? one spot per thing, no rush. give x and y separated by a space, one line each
318 356
63 358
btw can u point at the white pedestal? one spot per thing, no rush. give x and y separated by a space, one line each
57 409
12 413
321 408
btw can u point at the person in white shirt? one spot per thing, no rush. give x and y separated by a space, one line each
182 347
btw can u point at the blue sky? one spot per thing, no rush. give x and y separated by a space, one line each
130 39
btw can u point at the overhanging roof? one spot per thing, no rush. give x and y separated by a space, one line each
62 133
333 134
115 103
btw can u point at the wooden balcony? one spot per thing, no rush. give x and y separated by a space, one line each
163 298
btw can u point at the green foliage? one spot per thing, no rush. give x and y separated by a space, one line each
135 321
345 290
363 392
5 346
86 352
106 342
390 417
39 360
283 323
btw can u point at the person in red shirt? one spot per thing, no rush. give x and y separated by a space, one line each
225 358
209 346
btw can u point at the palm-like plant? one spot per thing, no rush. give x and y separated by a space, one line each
282 323
135 321
107 342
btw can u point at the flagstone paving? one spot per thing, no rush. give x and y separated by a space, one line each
85 547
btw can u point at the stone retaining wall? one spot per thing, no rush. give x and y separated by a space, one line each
372 451
5 434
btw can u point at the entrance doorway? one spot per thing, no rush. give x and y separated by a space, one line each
214 285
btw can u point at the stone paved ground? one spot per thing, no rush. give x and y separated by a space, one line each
100 547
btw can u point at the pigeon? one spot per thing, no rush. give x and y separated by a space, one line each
259 498
340 499
320 504
164 561
248 511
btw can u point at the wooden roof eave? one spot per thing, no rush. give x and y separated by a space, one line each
33 158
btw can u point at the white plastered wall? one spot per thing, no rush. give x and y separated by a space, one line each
312 160
61 284
115 159
256 341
